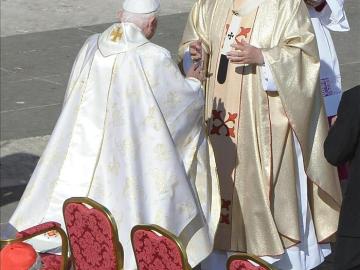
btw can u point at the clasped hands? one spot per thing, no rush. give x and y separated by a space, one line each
242 53
314 3
196 69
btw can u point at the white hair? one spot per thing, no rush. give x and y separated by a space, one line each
137 18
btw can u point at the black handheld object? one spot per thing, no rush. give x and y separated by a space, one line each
223 67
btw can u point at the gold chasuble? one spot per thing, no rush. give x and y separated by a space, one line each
253 132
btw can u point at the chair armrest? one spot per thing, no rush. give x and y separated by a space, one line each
38 229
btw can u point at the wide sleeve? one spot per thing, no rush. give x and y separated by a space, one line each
341 143
295 66
180 99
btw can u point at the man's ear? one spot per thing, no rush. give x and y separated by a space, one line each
153 22
119 15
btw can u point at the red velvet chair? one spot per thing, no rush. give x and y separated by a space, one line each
49 261
244 261
157 249
93 235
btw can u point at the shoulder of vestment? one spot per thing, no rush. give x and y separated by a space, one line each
155 50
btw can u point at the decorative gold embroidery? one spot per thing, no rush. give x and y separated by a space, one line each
161 217
161 152
128 148
133 190
186 208
151 118
116 118
116 34
172 99
114 167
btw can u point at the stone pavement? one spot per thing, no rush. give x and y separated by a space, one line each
37 53
22 17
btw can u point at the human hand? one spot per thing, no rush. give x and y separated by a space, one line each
333 120
196 71
314 3
196 50
244 53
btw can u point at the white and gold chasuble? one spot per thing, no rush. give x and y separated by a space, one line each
130 136
252 130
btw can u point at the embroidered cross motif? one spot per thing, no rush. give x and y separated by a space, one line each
230 131
225 204
231 35
225 219
244 32
116 34
236 13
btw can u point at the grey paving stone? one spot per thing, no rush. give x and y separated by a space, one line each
21 95
29 123
22 17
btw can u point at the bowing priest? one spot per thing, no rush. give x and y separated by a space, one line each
267 125
131 137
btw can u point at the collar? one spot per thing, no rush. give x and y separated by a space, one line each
120 38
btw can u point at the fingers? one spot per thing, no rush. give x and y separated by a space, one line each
195 69
333 120
196 50
238 46
238 60
237 54
238 57
196 45
194 66
195 55
244 43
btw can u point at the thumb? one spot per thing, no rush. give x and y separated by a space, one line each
243 42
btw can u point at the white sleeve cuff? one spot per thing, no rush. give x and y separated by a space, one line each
267 78
187 61
194 83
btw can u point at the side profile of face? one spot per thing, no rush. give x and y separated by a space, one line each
150 27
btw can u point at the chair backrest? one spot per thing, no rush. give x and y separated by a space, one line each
157 249
247 262
93 235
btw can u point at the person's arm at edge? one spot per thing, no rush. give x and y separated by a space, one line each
340 144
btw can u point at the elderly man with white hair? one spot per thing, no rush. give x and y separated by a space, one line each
131 137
